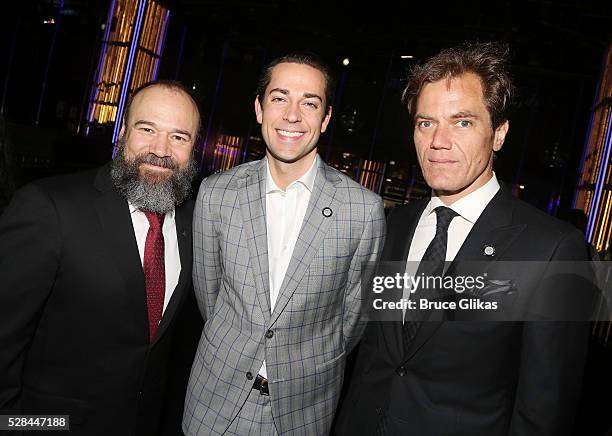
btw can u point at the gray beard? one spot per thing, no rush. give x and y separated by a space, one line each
159 195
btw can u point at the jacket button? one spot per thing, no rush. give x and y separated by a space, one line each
249 376
269 334
401 371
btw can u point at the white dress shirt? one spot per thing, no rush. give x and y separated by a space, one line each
172 259
469 209
285 211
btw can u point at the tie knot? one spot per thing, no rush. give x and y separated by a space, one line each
156 220
444 216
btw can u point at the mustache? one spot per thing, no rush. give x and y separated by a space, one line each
151 159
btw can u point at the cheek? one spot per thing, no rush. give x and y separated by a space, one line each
135 146
269 115
182 155
419 148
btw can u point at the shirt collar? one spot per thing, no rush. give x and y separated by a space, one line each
471 206
307 179
133 209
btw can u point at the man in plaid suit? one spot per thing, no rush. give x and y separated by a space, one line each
278 251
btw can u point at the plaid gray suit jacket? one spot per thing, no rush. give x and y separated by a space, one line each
317 317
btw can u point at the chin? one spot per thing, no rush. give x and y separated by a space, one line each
286 157
442 184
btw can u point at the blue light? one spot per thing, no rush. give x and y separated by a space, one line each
128 72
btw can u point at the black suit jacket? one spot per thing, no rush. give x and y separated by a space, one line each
468 377
73 316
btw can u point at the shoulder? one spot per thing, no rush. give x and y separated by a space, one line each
545 235
547 225
48 201
407 212
353 191
229 179
68 187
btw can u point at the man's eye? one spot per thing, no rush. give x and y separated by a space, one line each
179 138
146 129
277 99
464 123
311 105
425 123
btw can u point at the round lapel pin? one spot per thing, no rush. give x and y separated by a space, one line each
327 212
489 250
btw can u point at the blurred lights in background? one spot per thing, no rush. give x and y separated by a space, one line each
594 194
131 50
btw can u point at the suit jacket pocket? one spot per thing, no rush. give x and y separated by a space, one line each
329 371
208 349
497 287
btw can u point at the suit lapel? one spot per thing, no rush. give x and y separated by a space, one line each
402 227
114 216
312 232
252 197
404 221
493 228
182 219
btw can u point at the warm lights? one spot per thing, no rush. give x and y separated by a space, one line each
594 195
130 55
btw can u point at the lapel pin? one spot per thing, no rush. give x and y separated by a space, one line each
327 212
489 250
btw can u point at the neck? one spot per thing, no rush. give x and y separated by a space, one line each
284 173
450 197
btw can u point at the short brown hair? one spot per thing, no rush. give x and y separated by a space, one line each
304 58
488 60
173 85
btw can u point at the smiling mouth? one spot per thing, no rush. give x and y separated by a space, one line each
155 167
291 134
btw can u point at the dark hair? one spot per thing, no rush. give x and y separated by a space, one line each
168 84
488 60
310 59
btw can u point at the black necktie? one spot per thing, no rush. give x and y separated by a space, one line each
432 263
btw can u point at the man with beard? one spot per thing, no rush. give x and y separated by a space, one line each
94 268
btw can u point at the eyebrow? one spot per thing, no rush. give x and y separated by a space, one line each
423 117
465 114
306 94
152 124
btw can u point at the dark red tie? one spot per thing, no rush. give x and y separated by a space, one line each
154 270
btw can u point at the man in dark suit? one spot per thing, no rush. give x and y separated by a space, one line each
430 376
94 268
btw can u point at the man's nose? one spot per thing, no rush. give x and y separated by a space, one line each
160 146
441 138
293 114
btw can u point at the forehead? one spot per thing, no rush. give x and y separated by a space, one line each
164 105
457 93
297 78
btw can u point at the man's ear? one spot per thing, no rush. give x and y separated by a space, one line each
326 119
500 135
258 110
122 131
